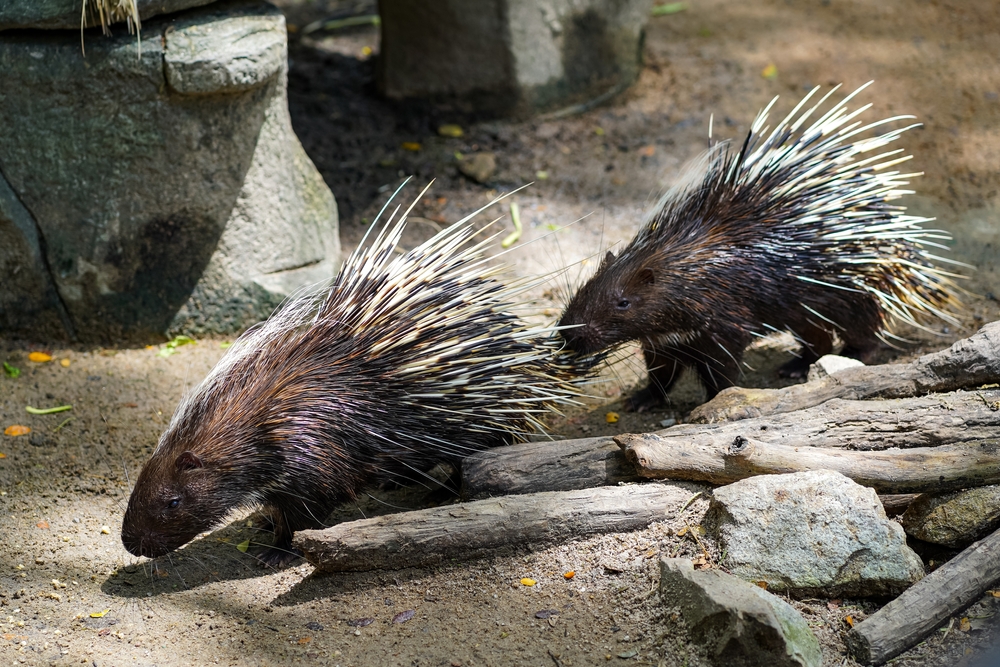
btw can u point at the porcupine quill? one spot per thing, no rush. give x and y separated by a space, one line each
398 364
793 231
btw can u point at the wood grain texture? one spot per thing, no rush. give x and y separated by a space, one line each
560 465
480 528
970 362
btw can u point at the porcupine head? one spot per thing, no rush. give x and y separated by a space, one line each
204 465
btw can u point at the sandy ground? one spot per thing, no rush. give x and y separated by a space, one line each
70 594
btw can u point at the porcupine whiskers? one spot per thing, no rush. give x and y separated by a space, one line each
791 230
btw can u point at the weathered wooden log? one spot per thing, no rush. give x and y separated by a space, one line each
897 503
560 465
480 528
920 470
924 421
970 362
927 604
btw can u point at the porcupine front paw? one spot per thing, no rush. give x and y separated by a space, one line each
277 556
646 399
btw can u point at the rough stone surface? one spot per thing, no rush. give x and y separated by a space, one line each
954 519
65 14
736 623
480 167
224 56
811 533
157 209
830 364
528 55
28 298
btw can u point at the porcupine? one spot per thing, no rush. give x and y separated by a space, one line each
400 363
791 232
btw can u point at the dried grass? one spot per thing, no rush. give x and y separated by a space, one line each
107 12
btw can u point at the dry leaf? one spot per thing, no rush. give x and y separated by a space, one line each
39 357
16 430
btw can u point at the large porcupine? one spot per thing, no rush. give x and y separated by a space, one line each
792 232
400 363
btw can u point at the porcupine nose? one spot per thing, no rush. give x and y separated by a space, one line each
580 337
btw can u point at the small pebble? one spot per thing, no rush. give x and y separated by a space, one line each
403 616
105 530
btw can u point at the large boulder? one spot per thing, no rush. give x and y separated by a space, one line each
511 56
155 190
66 14
811 533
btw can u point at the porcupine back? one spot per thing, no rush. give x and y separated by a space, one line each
793 231
402 362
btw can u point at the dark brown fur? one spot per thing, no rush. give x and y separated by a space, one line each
737 254
363 382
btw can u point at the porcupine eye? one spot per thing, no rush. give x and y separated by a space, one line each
174 503
624 304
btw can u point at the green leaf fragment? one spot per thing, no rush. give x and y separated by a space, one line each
669 8
11 371
48 411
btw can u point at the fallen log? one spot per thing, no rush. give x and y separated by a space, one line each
925 421
927 604
920 470
480 528
970 362
560 465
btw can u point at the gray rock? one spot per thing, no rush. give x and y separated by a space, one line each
65 14
830 364
511 56
479 167
811 533
954 519
29 303
736 623
160 193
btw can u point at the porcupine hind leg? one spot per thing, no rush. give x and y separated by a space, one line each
815 343
860 337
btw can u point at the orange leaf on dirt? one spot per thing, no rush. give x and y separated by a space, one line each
849 620
569 575
647 151
43 525
2 455
39 357
17 429
305 640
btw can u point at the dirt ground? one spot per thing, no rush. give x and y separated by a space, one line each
70 594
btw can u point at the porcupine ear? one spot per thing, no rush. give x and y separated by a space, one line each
645 277
189 461
608 259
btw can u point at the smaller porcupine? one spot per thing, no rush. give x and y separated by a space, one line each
398 364
792 232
